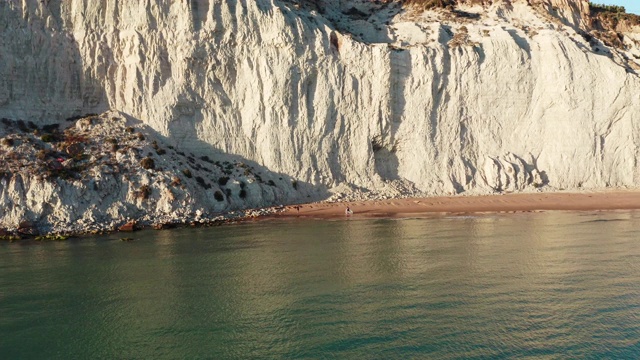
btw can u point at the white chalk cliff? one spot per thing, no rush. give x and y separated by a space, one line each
344 94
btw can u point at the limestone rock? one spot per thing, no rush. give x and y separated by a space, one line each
27 228
376 101
129 226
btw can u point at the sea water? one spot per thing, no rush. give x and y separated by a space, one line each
528 285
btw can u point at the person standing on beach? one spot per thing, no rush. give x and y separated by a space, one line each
348 212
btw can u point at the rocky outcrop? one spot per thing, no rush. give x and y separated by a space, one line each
108 172
571 12
333 93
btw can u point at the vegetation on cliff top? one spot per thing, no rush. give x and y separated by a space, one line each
595 8
612 15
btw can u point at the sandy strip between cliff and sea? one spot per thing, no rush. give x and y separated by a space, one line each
432 206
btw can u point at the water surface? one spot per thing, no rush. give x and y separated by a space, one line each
537 285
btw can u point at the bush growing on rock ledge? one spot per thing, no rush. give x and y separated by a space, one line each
147 163
48 138
202 183
218 195
144 192
22 126
41 155
223 180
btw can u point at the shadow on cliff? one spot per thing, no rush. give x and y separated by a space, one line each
385 147
50 48
44 79
294 191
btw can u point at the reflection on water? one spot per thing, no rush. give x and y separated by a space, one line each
538 285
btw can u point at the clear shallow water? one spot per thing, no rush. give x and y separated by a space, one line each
548 285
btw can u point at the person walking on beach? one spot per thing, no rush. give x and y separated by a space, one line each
348 212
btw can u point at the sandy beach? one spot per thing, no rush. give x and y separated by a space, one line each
587 201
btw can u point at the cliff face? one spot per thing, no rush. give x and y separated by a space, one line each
492 97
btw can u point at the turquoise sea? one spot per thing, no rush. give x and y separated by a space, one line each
531 285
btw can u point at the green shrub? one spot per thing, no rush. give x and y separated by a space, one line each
218 195
243 193
144 192
148 163
51 128
41 155
113 144
202 183
607 8
187 173
7 142
48 138
223 181
22 126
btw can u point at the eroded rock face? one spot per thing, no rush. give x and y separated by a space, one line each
106 171
572 12
403 97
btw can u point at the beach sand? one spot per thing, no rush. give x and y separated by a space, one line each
586 201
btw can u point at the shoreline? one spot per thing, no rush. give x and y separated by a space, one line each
607 200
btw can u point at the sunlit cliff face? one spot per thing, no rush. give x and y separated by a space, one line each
499 96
